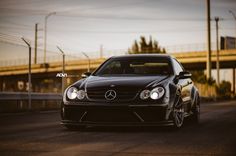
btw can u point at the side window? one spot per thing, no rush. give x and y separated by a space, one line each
177 67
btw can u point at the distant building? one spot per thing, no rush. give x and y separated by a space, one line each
227 42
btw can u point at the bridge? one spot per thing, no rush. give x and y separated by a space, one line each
14 78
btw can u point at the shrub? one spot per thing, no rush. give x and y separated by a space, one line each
224 89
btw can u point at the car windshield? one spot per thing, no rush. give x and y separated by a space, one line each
135 66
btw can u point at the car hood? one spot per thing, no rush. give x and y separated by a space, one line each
131 82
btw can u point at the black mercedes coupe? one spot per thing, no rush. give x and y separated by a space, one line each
132 90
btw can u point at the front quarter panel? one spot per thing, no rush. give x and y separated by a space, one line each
172 90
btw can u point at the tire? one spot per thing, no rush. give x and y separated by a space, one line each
178 114
196 112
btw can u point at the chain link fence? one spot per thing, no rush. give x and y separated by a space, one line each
105 53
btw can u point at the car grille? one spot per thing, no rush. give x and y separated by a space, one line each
110 115
121 95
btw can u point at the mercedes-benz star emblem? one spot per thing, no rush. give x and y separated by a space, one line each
110 95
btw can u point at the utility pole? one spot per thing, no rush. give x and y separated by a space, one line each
208 68
63 69
36 43
29 75
217 51
45 33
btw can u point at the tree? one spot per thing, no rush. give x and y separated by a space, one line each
199 77
135 47
143 47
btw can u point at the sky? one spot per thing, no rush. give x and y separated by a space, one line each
84 25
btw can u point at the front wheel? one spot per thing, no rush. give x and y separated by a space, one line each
178 114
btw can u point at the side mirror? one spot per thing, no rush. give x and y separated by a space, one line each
86 74
185 75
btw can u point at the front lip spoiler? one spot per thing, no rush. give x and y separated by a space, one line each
117 124
88 104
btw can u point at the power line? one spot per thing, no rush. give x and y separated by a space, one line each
12 43
18 12
15 23
13 40
107 17
10 38
18 28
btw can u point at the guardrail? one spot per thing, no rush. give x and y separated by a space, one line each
34 96
18 101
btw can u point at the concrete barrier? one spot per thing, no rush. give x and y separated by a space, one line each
18 101
24 96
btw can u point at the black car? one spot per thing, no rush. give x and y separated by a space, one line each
148 90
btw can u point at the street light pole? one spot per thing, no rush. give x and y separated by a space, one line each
45 33
88 60
208 40
63 69
217 51
29 75
36 43
235 48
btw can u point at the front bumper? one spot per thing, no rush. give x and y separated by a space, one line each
115 115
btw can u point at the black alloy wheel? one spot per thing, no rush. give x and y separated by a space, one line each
178 114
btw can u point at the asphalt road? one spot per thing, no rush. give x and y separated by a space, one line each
40 133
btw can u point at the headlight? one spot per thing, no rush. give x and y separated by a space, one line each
157 93
81 94
145 94
154 94
72 93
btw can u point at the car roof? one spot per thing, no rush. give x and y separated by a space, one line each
144 55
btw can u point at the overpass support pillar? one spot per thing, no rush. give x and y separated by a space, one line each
234 80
